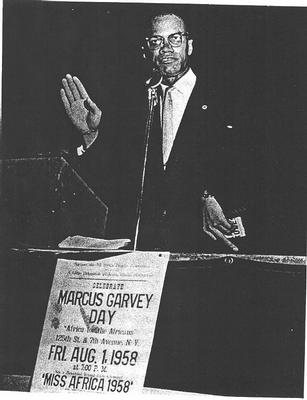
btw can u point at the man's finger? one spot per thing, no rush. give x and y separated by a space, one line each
223 229
65 101
80 87
222 237
68 91
209 233
73 87
91 104
205 224
225 224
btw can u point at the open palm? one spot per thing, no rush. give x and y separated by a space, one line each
82 111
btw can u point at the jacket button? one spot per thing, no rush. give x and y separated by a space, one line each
204 107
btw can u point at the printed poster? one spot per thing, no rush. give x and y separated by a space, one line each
100 323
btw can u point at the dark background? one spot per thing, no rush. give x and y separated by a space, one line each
255 59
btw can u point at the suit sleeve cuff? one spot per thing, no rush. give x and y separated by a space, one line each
80 150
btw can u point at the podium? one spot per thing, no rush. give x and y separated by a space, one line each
43 200
228 324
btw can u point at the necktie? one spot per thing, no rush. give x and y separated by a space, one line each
167 124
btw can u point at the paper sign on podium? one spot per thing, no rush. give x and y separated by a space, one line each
99 325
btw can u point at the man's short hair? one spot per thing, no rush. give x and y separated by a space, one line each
163 14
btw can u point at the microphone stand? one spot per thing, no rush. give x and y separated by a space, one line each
153 101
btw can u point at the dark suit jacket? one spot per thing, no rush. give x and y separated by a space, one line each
204 156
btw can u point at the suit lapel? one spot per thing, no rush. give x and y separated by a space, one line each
192 126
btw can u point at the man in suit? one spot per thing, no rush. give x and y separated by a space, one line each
183 178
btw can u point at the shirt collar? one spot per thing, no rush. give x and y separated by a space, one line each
185 84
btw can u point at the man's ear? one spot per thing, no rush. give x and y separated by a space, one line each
190 46
146 55
144 52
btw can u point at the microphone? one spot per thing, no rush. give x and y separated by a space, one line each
154 81
151 86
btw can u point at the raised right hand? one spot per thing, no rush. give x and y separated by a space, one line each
82 111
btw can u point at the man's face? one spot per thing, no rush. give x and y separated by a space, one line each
171 61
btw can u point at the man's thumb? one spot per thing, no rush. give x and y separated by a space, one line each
89 104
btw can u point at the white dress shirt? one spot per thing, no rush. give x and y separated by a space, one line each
175 100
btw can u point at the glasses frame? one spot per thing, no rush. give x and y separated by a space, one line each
163 40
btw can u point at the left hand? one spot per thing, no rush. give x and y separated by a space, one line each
215 224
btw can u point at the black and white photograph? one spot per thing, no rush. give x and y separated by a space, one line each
153 198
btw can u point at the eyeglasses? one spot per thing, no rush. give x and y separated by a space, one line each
175 40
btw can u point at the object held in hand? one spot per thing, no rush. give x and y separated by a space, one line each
239 230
